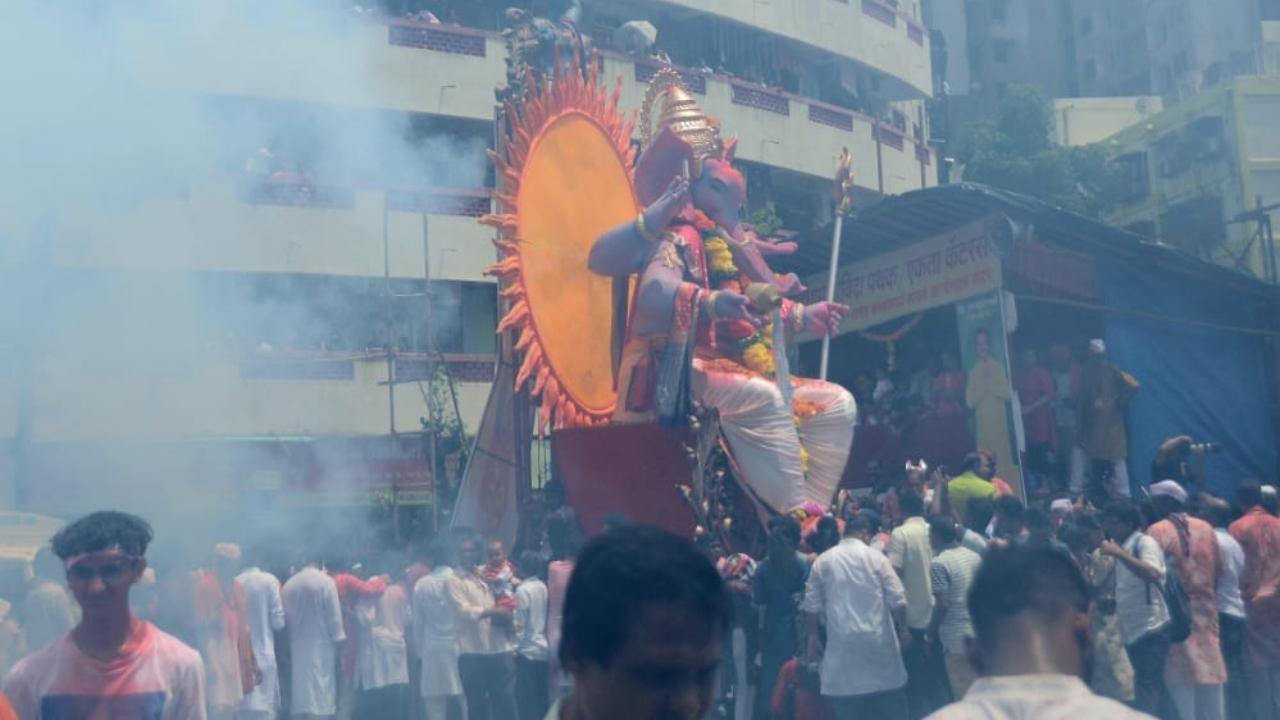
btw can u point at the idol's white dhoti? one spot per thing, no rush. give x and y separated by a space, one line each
765 435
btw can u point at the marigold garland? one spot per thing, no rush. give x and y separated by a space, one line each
755 346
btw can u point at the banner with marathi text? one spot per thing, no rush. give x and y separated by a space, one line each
939 271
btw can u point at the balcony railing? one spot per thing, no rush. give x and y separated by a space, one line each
320 365
294 191
440 38
760 98
880 11
440 201
463 368
694 81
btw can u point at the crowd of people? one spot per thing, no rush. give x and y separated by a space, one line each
922 600
1182 588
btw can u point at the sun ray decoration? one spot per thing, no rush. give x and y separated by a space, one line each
563 117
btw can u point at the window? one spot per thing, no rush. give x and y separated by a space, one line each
1090 69
1135 182
1000 51
1180 62
1086 26
999 9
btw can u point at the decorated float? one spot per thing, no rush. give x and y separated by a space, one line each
643 328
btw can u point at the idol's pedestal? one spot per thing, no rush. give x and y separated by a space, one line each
627 469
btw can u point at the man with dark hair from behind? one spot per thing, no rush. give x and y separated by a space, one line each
1030 611
645 616
1258 533
780 578
532 668
435 614
855 590
910 553
1230 603
951 574
111 665
1140 605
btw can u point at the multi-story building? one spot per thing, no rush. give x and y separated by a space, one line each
991 44
1195 44
1199 169
1087 120
1109 44
251 322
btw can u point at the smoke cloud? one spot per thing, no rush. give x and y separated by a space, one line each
114 108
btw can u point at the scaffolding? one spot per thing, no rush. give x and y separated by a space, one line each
435 366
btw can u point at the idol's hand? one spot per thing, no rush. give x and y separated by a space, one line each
789 285
768 247
730 305
662 211
824 318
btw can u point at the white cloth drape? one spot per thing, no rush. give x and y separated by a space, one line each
765 437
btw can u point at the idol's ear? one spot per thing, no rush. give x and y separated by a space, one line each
731 149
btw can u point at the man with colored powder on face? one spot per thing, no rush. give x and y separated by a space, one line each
645 618
111 665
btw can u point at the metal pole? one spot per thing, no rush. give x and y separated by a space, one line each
386 290
430 346
831 290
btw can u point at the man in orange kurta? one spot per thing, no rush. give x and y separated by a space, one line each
1195 671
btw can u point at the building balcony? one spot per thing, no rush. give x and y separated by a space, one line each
794 133
380 64
286 226
453 71
259 394
886 36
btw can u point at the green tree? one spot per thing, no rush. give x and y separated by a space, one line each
1012 150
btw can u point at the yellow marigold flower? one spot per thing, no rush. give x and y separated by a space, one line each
758 358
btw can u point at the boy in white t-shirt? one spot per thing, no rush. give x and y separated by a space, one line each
111 665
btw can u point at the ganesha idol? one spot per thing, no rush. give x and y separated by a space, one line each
695 334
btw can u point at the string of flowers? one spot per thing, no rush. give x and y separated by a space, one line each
754 346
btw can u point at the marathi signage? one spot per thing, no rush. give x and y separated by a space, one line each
930 273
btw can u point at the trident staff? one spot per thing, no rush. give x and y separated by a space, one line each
844 191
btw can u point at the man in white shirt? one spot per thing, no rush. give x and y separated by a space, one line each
264 613
314 614
435 619
1140 607
862 600
911 554
1030 612
381 677
486 659
532 659
1231 612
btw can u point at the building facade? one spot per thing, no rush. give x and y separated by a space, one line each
259 320
1196 44
1200 169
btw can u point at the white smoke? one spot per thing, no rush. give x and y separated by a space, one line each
111 106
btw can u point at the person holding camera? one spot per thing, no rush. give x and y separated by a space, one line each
1182 459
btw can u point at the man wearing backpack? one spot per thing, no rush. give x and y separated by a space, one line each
1141 610
1195 671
